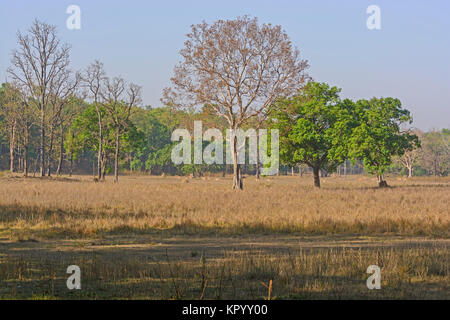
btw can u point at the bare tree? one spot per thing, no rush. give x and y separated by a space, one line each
64 87
38 61
239 68
119 99
409 158
435 152
94 79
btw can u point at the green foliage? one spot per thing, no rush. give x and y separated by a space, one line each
83 134
156 147
314 126
377 138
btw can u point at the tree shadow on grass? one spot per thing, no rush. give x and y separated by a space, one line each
389 187
52 224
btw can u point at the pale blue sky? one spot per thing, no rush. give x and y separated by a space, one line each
409 58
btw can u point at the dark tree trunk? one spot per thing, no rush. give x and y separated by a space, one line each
316 172
381 182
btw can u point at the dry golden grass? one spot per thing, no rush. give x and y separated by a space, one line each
79 207
179 238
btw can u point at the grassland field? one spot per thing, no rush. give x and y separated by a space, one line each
150 237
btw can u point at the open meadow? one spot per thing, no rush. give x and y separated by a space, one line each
180 238
220 150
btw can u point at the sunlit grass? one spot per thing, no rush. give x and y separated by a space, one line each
312 244
34 208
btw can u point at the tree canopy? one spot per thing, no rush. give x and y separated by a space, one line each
378 136
314 126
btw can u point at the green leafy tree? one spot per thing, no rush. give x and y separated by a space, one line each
378 137
83 135
314 127
157 146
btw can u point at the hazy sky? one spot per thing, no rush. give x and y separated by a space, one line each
140 40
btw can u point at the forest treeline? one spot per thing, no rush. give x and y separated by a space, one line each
56 121
147 145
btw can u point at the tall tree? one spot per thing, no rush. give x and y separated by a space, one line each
314 126
119 99
63 92
94 79
82 135
37 63
378 137
239 67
